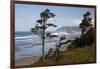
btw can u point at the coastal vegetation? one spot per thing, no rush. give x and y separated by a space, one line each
71 56
80 50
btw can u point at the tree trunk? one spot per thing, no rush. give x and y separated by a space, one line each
83 30
43 44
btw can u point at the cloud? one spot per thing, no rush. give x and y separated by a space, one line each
66 21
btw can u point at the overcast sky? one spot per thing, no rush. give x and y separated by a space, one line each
26 16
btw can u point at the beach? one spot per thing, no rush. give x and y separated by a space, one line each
26 61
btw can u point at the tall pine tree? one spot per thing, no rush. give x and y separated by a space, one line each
42 25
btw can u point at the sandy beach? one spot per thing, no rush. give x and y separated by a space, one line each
26 61
33 59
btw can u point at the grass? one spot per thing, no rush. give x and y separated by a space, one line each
72 55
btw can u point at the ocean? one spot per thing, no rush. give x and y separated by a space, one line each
29 44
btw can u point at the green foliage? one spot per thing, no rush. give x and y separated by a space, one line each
86 39
39 21
51 36
56 54
32 30
72 56
87 14
50 52
63 37
50 24
42 22
46 14
86 22
48 34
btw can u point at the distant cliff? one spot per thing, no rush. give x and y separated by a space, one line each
68 29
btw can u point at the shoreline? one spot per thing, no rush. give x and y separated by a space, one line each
27 60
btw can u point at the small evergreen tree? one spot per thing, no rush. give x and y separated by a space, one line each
42 25
86 22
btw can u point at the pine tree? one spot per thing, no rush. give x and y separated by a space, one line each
42 25
86 22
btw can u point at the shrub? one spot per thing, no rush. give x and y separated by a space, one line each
86 39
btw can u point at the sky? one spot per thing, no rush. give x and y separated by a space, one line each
26 16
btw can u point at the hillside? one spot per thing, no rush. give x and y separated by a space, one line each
80 51
68 28
72 55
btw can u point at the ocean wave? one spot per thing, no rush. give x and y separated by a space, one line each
24 37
